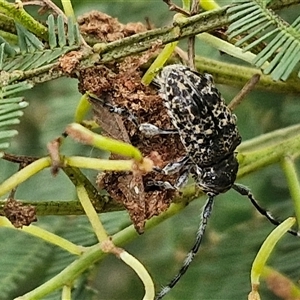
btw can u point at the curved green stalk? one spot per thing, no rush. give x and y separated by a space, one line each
93 255
158 63
84 135
24 174
264 253
142 273
99 164
46 236
290 172
82 108
91 213
68 9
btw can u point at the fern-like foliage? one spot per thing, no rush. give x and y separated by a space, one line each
11 110
253 20
25 259
33 53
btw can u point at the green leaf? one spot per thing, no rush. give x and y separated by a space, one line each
22 259
62 41
10 111
258 24
32 53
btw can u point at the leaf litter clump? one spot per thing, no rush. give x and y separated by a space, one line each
119 83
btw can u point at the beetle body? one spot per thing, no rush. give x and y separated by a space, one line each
206 126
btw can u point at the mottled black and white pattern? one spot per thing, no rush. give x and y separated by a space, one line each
206 126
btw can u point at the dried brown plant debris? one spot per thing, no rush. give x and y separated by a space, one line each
106 28
120 84
19 214
69 62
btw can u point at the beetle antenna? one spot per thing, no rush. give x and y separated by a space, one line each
206 211
244 191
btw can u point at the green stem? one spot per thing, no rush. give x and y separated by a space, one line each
290 172
140 42
187 27
235 75
142 273
160 60
24 174
91 214
66 292
82 108
93 255
67 208
266 249
186 4
99 164
21 16
68 9
269 154
9 37
100 202
7 24
84 135
269 139
47 236
253 155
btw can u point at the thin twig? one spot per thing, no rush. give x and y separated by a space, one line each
174 7
19 159
55 9
248 87
191 41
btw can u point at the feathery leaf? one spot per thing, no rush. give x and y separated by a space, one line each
10 111
258 24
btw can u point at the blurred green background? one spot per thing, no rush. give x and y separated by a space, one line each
221 270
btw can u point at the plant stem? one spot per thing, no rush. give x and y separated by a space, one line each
47 236
82 108
182 28
24 174
68 9
21 16
142 273
265 251
253 155
93 255
84 135
99 164
91 214
268 155
235 75
290 172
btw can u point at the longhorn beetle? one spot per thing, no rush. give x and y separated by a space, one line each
207 129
